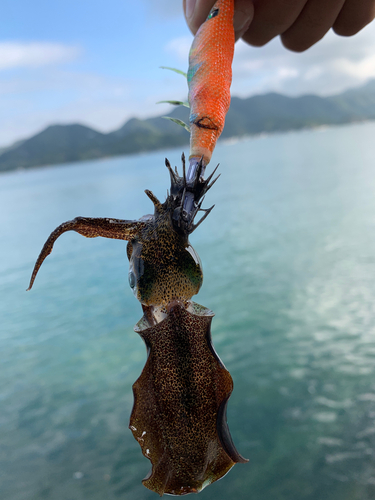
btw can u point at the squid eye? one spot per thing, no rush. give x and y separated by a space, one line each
132 280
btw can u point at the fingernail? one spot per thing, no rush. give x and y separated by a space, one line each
241 20
190 6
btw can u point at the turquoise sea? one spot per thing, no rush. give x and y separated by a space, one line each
289 269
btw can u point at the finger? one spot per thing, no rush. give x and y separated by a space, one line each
316 18
354 16
196 12
243 17
271 18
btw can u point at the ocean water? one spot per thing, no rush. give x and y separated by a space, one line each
289 266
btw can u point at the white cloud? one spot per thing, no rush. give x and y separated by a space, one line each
41 93
359 70
50 95
35 54
179 48
166 9
331 66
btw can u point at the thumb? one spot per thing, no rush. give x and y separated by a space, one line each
196 12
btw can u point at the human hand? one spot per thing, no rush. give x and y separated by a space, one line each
300 23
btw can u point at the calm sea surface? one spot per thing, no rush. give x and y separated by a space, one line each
289 261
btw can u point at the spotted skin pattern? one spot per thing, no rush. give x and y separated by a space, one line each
179 414
164 264
209 79
177 399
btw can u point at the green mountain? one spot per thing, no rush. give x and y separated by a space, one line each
262 113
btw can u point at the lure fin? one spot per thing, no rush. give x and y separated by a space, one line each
175 70
175 103
178 122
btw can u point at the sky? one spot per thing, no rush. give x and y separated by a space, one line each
98 63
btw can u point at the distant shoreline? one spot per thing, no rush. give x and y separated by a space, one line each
262 114
229 142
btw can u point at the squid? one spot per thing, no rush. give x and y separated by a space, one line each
181 396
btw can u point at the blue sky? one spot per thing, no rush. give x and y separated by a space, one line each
97 63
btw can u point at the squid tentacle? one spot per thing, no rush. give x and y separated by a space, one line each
90 227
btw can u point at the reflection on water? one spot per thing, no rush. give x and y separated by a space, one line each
288 255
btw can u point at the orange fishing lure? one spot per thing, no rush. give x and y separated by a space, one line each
209 79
